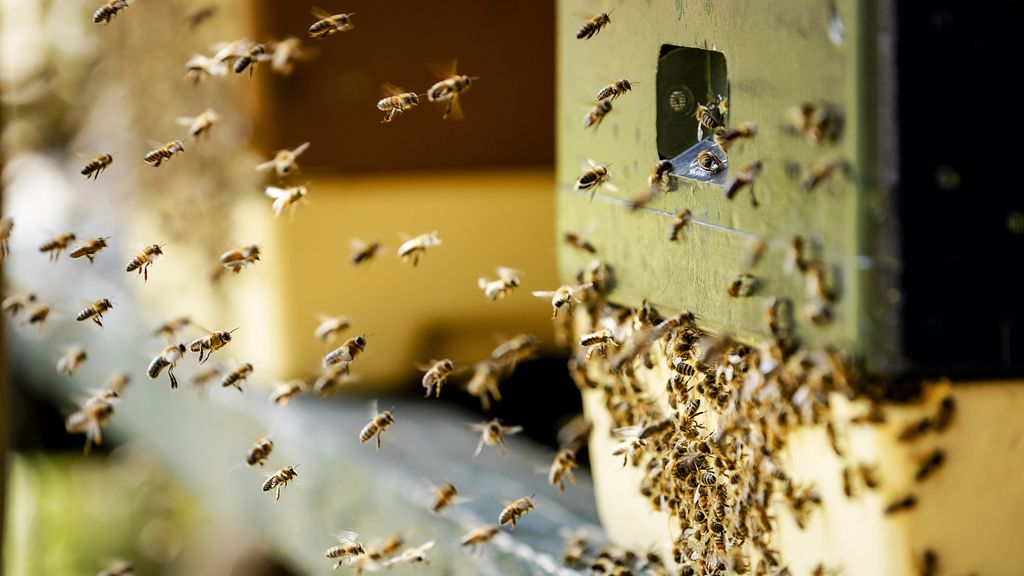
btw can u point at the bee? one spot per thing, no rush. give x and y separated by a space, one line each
144 260
819 123
168 329
331 327
614 90
595 115
574 433
565 294
110 9
387 548
15 303
596 341
591 27
54 248
743 286
930 464
238 259
819 313
758 248
416 555
661 169
285 391
167 358
515 350
706 117
944 417
444 497
915 430
253 55
90 249
492 433
746 177
283 162
817 283
363 251
436 376
199 67
724 137
285 54
396 101
413 248
848 482
821 172
199 126
119 569
796 258
347 352
89 420
332 378
210 343
237 376
6 227
906 503
279 480
197 17
72 360
328 23
95 312
508 280
37 315
484 383
286 198
562 467
680 220
591 178
577 241
709 162
381 421
869 476
206 375
97 165
156 156
642 199
575 549
929 563
347 550
479 536
450 88
515 511
117 382
259 452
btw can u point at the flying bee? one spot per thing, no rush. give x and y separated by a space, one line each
515 350
15 303
110 9
492 433
944 417
479 536
819 123
144 260
347 550
724 137
54 248
591 27
206 375
928 565
869 475
681 219
285 53
286 198
930 464
72 360
90 249
259 452
395 102
413 248
171 327
346 353
95 312
331 327
285 391
661 169
363 251
240 258
436 376
416 555
328 23
575 548
283 162
199 67
562 467
237 376
199 126
709 162
450 88
515 511
167 358
210 343
746 177
444 496
89 420
906 503
822 171
579 242
389 547
97 165
598 341
37 315
484 383
596 113
642 199
253 55
758 248
592 177
381 421
333 378
508 280
614 90
565 294
197 17
119 569
279 480
848 482
156 156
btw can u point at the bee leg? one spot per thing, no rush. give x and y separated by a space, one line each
174 380
277 495
145 273
96 319
447 110
378 440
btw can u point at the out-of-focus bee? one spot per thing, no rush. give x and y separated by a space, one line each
929 563
285 53
596 341
171 327
821 172
724 137
515 350
818 312
119 569
595 115
818 285
480 536
206 375
574 433
286 198
413 248
591 27
508 280
72 360
110 9
848 482
6 227
575 548
156 156
240 258
389 547
15 303
237 376
363 251
328 23
746 177
37 315
416 555
347 550
565 294
614 90
436 376
199 126
562 468
333 378
515 511
279 480
54 248
90 249
331 327
283 162
199 67
742 286
930 464
285 391
580 242
395 101
594 176
681 219
89 420
661 169
255 54
144 260
642 199
197 17
757 250
944 417
381 421
95 312
259 452
492 433
818 123
906 503
347 352
484 383
709 162
444 496
167 358
97 165
450 88
869 476
210 343
796 258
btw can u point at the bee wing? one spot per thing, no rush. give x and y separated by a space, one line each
510 430
627 431
610 187
446 70
184 120
346 536
476 426
276 193
426 546
265 166
543 293
374 410
389 89
320 13
300 149
504 272
581 288
456 113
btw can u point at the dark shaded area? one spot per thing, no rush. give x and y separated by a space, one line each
686 77
37 424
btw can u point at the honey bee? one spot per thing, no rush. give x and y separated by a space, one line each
642 199
930 464
395 102
436 376
167 358
515 511
90 249
285 54
869 476
253 55
724 137
119 569
346 353
72 360
210 343
450 88
286 198
575 548
929 563
197 17
484 383
596 341
206 375
413 248
577 241
508 280
15 303
614 90
492 433
95 312
906 503
681 219
416 555
285 391
444 497
283 162
333 378
328 23
199 126
758 248
156 156
37 315
347 550
381 421
106 12
199 67
707 117
565 294
279 480
562 467
89 420
944 417
171 327
819 123
331 327
743 286
480 536
144 260
848 482
574 433
515 350
259 452
240 258
592 177
709 162
97 165
817 283
591 27
818 312
821 172
237 376
54 248
661 169
363 251
595 115
746 177
387 548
